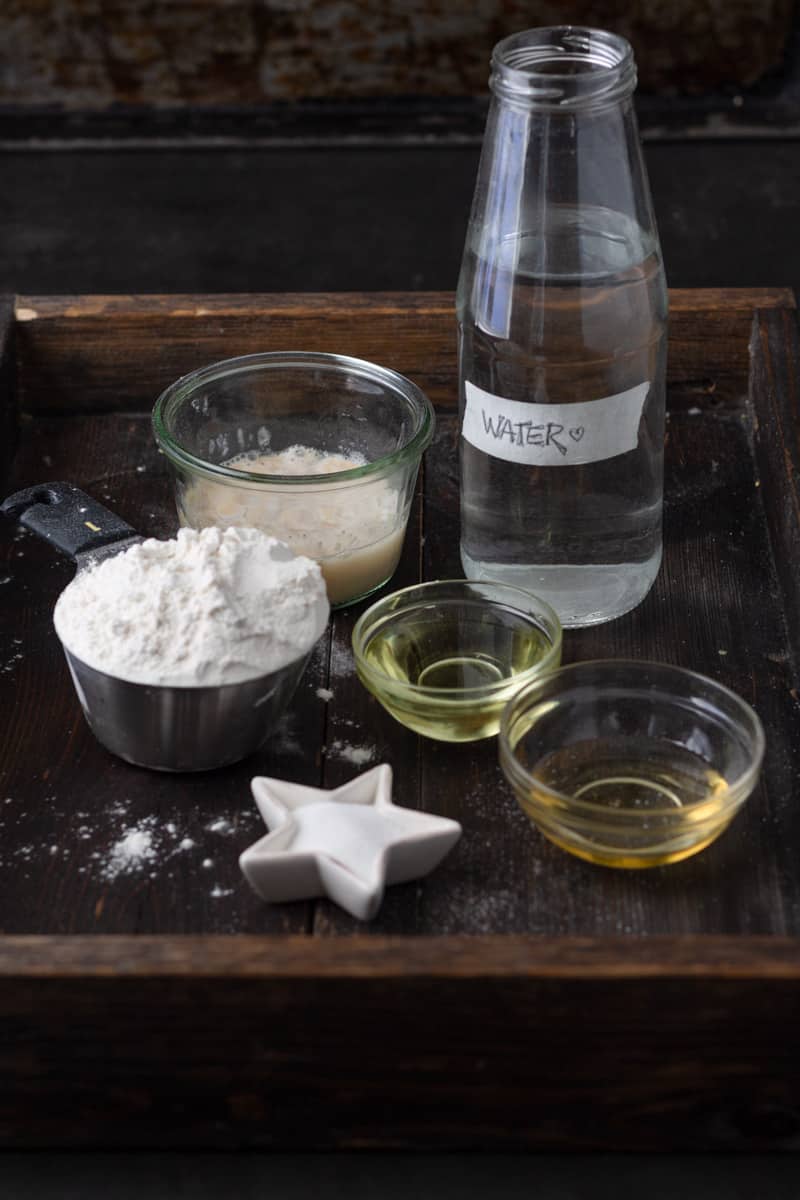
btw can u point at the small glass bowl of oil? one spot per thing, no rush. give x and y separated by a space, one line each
445 657
630 764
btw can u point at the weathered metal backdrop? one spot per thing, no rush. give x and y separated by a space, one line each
93 54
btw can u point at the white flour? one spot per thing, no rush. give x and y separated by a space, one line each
128 850
221 825
359 756
133 849
209 607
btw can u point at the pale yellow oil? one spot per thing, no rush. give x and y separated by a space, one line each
468 662
654 801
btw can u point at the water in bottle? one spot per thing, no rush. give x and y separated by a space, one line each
562 316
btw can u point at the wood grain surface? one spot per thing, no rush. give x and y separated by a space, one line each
8 398
586 1007
718 606
775 407
281 957
393 1048
82 353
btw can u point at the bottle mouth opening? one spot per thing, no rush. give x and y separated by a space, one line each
563 66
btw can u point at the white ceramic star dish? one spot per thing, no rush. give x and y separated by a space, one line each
346 844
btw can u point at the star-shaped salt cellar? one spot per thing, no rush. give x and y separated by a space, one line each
346 844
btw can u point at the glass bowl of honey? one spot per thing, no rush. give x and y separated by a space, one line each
319 450
445 657
630 764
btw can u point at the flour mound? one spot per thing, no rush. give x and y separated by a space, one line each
209 607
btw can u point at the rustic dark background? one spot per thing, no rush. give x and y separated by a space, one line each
92 55
397 1177
225 145
236 145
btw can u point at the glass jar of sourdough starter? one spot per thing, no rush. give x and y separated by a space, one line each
319 450
562 313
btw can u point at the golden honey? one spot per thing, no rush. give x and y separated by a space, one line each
641 801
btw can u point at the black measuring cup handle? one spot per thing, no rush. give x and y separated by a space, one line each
67 518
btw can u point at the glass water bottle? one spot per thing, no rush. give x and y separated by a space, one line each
562 313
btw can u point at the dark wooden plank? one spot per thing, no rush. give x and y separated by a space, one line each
693 300
92 352
306 304
64 801
274 958
8 398
444 1043
775 406
84 353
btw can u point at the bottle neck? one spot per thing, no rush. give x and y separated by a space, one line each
563 69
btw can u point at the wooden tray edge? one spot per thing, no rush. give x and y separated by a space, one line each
41 307
458 958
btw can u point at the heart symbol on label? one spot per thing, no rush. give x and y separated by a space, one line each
577 433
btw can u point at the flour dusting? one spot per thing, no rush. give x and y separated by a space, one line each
221 825
133 849
357 755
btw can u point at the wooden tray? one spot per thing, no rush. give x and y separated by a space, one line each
517 997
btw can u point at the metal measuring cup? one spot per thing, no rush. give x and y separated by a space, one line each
162 727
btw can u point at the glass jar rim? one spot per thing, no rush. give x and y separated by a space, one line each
525 67
186 385
747 722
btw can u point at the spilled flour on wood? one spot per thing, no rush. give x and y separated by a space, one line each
359 756
133 850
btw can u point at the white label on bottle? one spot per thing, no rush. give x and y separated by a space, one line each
553 435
